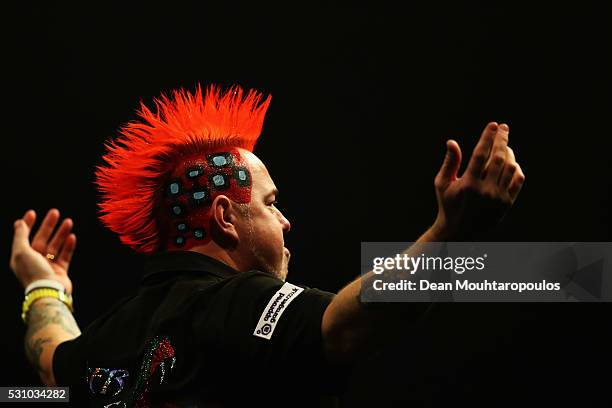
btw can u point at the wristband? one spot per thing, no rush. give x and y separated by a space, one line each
44 283
39 293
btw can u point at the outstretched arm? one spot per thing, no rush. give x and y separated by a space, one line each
49 324
49 321
468 207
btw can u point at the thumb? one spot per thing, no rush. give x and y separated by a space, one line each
451 164
21 234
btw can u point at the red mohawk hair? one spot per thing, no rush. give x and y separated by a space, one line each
147 150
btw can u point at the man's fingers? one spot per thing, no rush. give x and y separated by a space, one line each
65 256
60 236
482 151
509 170
39 243
498 154
30 218
517 182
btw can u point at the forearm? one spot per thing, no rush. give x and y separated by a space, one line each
49 323
349 326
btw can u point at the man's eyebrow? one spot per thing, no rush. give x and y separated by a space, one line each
274 192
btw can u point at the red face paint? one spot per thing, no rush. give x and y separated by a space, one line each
190 190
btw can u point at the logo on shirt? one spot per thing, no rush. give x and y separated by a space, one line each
275 308
157 364
106 381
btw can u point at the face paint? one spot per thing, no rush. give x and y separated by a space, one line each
191 189
146 151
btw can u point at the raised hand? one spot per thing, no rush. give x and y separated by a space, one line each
471 205
49 254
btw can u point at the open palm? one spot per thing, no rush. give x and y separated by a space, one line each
49 254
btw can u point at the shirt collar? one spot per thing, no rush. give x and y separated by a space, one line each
170 264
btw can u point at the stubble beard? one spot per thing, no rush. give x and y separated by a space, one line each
278 272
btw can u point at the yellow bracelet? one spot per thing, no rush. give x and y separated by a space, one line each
42 293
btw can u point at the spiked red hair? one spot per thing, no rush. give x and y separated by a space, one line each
147 150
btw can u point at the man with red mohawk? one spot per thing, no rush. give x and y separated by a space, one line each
214 322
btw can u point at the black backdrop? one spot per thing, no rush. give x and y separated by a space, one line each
351 85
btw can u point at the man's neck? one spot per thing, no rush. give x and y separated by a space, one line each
217 253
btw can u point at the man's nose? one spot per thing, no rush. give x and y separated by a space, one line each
285 223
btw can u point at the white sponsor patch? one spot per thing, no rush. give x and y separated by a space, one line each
274 310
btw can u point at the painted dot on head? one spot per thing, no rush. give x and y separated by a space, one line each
219 161
177 209
199 233
218 180
174 188
242 176
194 172
199 195
179 241
181 226
223 159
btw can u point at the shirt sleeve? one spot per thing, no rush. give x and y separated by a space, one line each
69 369
268 328
69 358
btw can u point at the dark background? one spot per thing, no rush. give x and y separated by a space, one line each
364 98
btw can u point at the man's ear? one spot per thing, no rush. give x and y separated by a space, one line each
223 216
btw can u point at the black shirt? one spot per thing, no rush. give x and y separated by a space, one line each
199 333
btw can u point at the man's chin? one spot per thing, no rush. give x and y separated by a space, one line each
285 266
278 270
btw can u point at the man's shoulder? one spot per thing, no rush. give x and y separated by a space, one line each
262 285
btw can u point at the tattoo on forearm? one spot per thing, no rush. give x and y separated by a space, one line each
50 311
34 349
43 313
